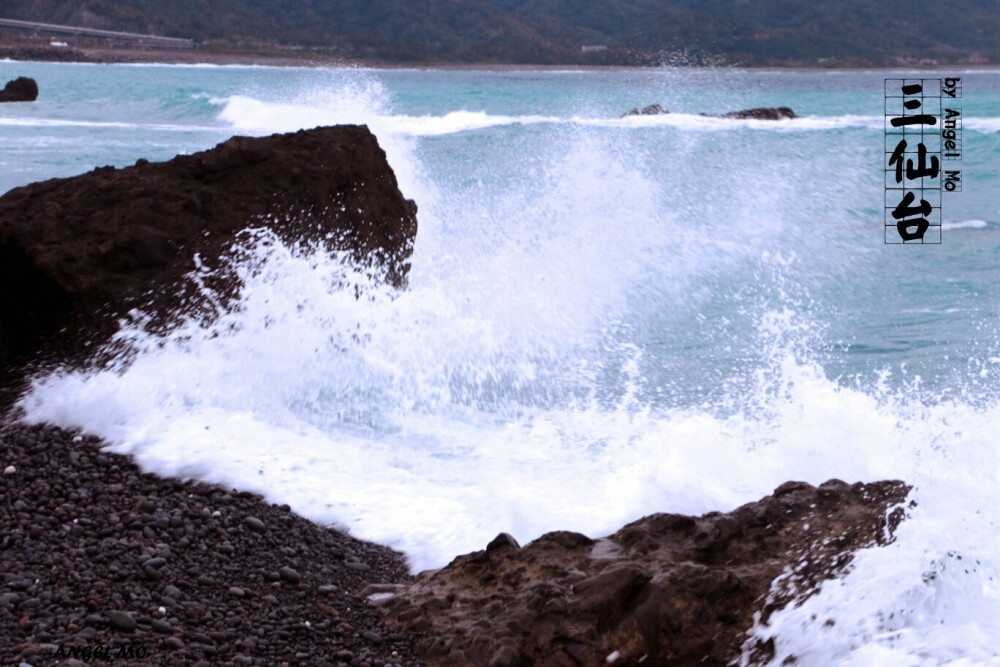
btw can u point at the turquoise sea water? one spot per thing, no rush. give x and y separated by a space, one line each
606 317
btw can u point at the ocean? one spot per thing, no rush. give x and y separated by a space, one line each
606 317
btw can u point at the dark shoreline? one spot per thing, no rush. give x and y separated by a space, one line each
86 538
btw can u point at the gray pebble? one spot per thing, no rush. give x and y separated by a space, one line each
254 524
162 627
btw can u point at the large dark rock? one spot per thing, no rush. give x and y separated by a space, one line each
665 590
76 253
21 89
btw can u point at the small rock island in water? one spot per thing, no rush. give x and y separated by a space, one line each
21 89
759 113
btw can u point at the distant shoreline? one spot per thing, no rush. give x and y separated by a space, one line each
112 56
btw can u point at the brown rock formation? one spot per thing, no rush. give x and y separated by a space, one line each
664 590
76 253
21 89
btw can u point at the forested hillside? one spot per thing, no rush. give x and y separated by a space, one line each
780 30
860 32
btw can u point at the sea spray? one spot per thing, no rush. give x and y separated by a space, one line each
542 339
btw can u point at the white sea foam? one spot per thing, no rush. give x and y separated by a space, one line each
709 123
144 127
249 114
981 124
361 99
481 373
964 224
931 597
358 412
350 104
350 409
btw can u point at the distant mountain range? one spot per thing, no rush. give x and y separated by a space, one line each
776 32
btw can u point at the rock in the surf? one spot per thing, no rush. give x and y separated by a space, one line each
762 113
77 253
21 89
651 110
665 590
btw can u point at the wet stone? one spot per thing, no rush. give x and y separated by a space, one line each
254 524
121 621
162 627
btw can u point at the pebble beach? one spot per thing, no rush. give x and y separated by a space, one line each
102 561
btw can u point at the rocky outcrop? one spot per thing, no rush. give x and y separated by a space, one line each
46 54
762 113
651 110
665 590
76 253
21 89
